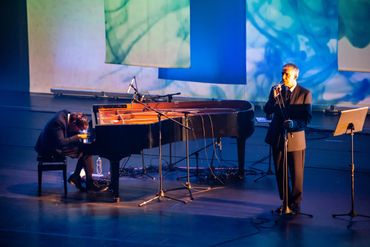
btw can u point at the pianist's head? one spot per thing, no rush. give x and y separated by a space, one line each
77 122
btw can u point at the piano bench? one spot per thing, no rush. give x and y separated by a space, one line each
51 163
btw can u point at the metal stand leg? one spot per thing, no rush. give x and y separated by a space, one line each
144 171
352 213
196 154
161 193
187 184
285 209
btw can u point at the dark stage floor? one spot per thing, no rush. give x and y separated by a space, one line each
230 214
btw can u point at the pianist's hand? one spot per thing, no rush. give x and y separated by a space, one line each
82 136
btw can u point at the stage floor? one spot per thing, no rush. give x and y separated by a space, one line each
229 214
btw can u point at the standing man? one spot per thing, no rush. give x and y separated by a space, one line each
290 105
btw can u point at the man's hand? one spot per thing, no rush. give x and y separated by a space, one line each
277 90
82 136
288 124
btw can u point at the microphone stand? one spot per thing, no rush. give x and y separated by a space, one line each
285 209
187 184
169 96
161 192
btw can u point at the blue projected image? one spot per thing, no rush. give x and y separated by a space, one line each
305 33
217 43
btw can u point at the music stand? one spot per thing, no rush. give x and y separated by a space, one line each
350 122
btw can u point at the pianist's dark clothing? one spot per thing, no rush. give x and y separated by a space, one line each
298 109
57 139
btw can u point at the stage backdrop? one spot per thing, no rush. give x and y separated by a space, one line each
67 50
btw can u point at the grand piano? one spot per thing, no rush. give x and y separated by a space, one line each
120 130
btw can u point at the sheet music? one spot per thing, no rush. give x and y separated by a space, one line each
263 120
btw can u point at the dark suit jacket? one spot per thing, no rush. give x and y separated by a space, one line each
55 137
297 109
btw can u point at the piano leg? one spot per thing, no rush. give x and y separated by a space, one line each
114 172
241 155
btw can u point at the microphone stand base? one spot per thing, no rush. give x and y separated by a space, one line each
287 211
160 196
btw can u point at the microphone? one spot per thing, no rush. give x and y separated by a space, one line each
130 86
277 89
279 85
142 98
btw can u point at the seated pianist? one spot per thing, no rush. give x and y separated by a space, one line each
62 136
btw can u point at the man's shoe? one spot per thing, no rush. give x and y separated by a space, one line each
284 211
76 181
96 188
296 208
279 210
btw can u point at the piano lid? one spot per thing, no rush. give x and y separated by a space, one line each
136 113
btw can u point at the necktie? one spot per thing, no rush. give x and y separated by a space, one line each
288 96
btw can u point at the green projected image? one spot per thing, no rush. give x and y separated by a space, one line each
148 33
352 17
354 35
